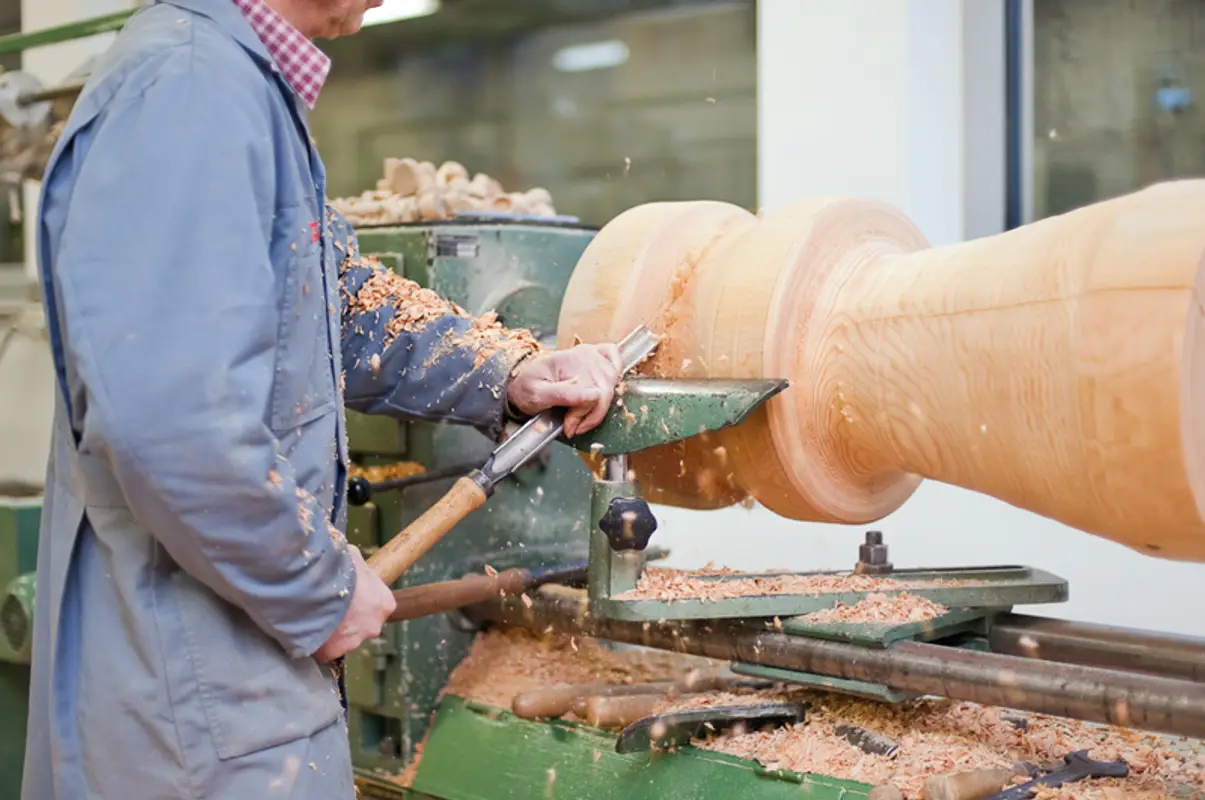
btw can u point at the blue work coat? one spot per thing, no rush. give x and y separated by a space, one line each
189 561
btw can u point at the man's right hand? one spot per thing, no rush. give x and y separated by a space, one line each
371 604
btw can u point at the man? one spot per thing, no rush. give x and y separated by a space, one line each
209 319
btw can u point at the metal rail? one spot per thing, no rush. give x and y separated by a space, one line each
1135 700
1125 649
51 93
28 40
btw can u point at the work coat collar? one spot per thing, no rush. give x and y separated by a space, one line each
231 20
227 16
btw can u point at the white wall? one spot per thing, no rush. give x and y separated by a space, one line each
903 100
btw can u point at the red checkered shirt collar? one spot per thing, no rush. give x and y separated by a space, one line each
299 60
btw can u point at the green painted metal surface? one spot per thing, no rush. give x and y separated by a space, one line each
19 42
537 518
958 620
481 753
19 521
852 688
970 587
14 708
653 412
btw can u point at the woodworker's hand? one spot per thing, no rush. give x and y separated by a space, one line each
581 379
371 604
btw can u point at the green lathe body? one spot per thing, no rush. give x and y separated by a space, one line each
519 271
19 520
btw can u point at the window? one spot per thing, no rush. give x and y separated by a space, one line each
606 110
1117 90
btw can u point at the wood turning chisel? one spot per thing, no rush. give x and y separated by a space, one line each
435 598
440 597
470 492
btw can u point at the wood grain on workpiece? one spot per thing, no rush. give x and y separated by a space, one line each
643 274
1055 367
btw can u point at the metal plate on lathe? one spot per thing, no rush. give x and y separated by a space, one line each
654 411
962 587
881 634
827 683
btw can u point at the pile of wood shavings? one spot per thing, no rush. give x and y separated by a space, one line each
506 663
899 609
386 472
936 737
413 191
940 737
668 585
660 583
415 307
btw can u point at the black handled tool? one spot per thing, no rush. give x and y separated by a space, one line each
1076 767
470 492
360 490
676 728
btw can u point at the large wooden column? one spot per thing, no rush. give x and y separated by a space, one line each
1056 367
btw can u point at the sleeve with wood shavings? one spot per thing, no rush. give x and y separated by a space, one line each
410 354
171 309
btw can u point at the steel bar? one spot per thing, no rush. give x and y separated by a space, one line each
51 93
1099 646
27 40
1092 694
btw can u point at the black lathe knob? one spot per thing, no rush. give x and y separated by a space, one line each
872 556
359 491
628 523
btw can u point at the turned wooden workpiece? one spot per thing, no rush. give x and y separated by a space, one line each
1056 366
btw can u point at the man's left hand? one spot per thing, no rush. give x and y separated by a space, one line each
582 380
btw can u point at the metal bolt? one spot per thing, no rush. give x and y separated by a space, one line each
872 556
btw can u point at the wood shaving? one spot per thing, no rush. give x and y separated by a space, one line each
386 472
407 776
505 663
935 736
412 191
415 307
898 609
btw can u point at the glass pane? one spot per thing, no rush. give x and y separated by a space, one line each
606 110
1116 97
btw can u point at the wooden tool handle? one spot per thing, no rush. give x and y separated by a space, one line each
560 700
886 792
620 711
436 598
400 552
968 785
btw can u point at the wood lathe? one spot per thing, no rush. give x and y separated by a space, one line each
819 360
691 431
